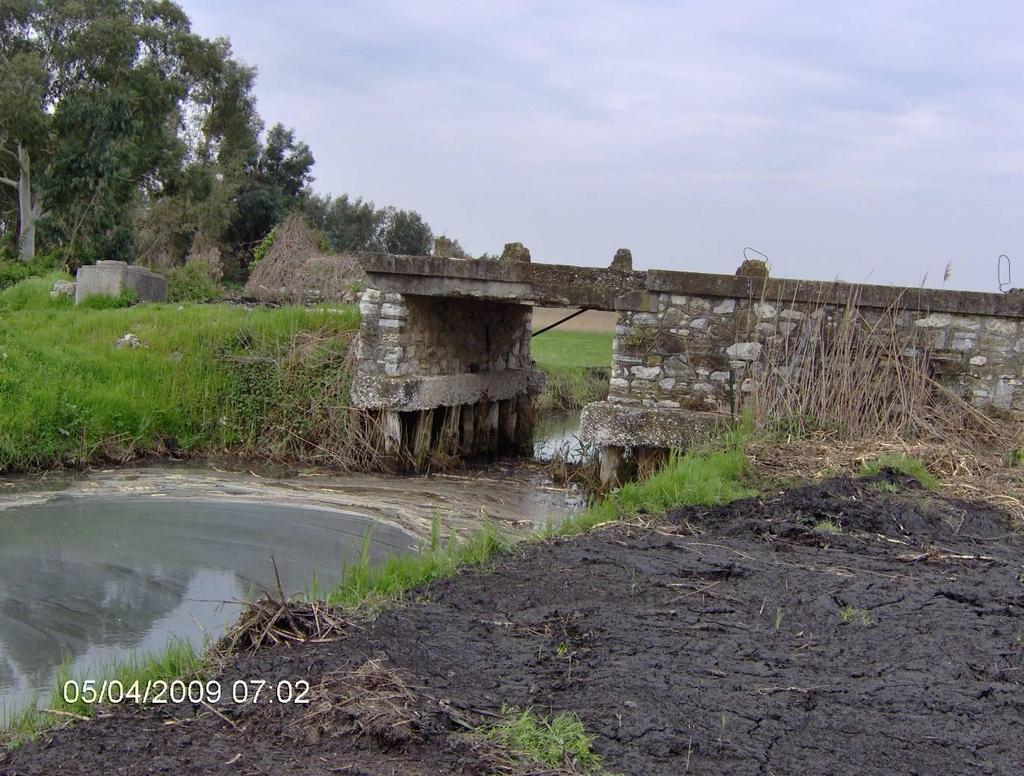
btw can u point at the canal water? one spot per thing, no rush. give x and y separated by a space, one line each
558 437
97 568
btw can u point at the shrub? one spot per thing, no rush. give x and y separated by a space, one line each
14 270
263 247
192 283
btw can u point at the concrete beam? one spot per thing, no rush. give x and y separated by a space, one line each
550 285
606 424
786 291
420 393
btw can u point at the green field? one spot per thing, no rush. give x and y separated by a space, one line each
205 378
569 358
572 349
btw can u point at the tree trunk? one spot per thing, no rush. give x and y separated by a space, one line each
30 207
28 211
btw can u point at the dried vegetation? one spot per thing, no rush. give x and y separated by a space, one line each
851 389
296 270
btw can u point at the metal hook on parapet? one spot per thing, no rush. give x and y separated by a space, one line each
1004 285
747 257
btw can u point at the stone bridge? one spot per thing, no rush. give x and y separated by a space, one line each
444 347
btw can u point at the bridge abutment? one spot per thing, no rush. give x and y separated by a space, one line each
445 376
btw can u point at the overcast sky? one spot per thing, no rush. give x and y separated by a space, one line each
870 141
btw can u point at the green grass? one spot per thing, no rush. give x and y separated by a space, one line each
828 526
903 464
572 349
576 364
558 742
178 660
705 478
208 377
366 585
851 615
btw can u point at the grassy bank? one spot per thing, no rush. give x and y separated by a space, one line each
203 379
577 365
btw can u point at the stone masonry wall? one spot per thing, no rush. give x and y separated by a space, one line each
404 335
701 353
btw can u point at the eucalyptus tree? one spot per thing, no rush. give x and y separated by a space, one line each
93 97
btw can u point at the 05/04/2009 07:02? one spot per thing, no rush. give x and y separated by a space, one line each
177 691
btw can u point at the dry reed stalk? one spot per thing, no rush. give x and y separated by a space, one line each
854 376
373 701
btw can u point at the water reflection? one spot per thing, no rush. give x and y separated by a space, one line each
96 578
557 436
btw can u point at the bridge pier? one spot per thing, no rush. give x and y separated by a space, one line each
448 376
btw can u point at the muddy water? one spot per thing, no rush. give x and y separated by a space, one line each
95 568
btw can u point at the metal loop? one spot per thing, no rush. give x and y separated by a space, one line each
1004 285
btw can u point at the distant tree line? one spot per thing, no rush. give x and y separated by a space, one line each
124 135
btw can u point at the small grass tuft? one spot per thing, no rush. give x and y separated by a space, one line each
828 526
705 478
851 615
558 742
904 464
126 298
178 660
363 584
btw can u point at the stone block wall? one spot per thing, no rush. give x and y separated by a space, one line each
445 376
402 335
703 352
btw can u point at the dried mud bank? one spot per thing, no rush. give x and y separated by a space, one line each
850 627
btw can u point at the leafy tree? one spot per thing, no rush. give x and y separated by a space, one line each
90 113
357 225
404 231
347 224
221 133
276 182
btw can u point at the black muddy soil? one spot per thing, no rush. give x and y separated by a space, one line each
838 628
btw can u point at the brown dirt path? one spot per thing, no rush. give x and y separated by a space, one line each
712 642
